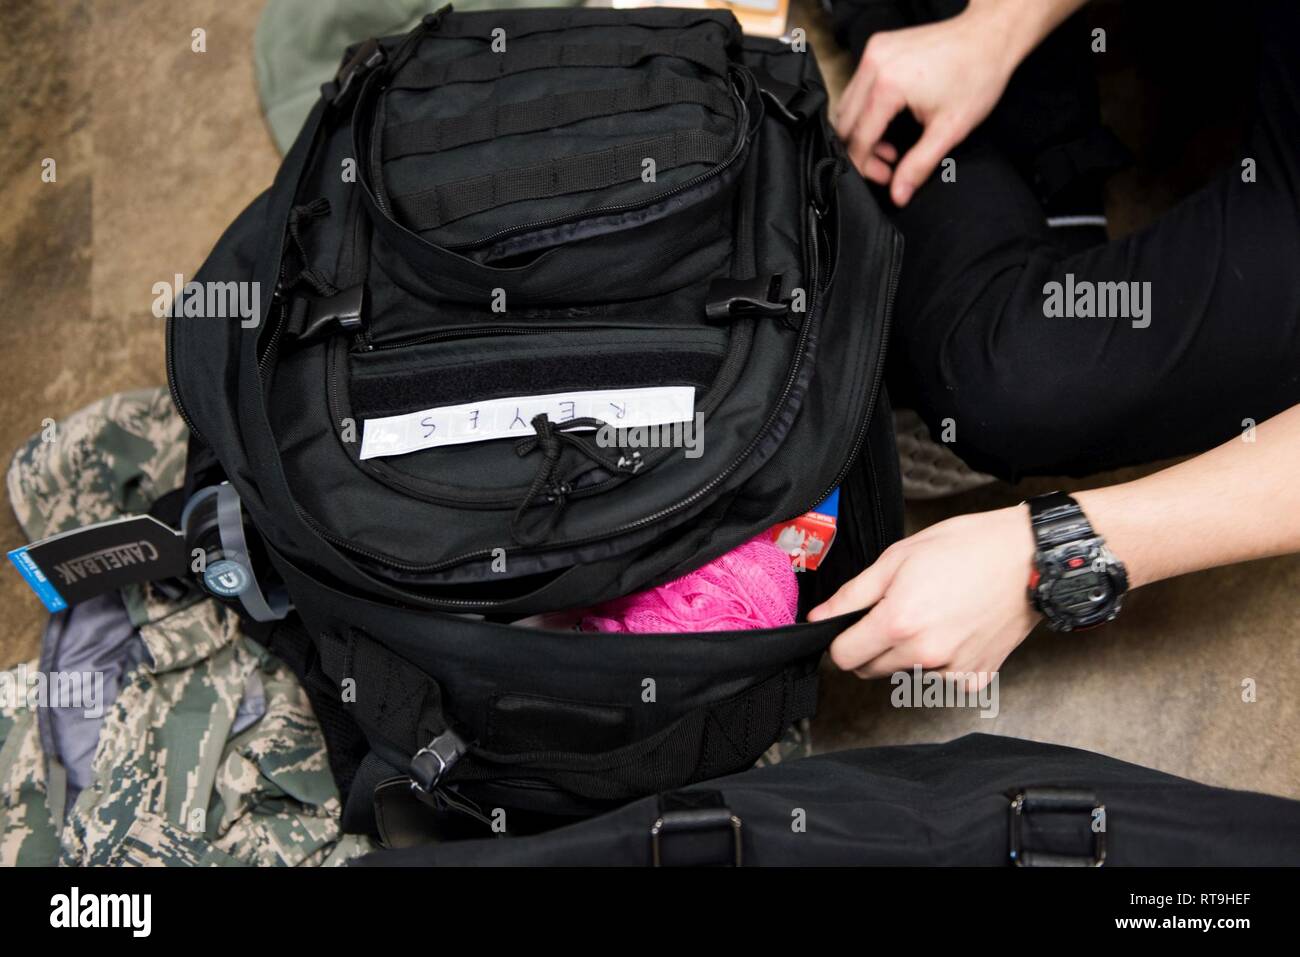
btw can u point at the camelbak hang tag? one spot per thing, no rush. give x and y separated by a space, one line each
70 567
511 417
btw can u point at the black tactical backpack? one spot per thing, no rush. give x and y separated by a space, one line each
526 218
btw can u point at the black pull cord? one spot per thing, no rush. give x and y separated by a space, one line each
551 438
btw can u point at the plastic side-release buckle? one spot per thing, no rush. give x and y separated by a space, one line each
313 318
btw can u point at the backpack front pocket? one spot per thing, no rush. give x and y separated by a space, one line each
486 147
468 396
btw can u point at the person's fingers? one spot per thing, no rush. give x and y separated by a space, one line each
882 105
921 160
863 590
877 171
904 656
879 168
867 639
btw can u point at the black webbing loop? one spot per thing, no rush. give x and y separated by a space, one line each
522 57
431 208
551 112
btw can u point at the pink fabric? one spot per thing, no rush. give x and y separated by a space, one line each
752 586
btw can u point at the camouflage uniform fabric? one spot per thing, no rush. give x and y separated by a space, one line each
173 782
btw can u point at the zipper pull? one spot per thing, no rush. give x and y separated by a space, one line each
428 23
368 56
735 298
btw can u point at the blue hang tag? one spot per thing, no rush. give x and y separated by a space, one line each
44 588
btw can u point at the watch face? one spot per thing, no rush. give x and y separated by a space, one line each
1079 587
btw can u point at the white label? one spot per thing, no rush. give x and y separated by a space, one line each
512 417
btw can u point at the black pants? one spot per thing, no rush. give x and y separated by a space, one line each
977 347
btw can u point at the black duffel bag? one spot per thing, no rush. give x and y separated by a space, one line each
978 800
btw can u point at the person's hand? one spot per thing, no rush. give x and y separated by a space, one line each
950 598
950 75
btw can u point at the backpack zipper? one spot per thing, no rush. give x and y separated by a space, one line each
171 381
896 245
474 332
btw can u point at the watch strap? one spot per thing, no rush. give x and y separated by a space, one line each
1056 518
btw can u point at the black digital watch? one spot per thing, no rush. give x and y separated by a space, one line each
1076 582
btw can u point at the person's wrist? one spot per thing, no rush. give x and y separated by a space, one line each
1020 536
1107 511
1020 532
1011 29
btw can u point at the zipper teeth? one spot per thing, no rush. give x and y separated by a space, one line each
171 381
601 210
865 421
474 332
273 343
366 553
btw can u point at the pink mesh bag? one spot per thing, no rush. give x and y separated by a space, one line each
752 586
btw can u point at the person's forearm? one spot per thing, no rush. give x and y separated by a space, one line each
1237 502
1020 25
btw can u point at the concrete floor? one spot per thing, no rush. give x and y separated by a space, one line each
158 148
